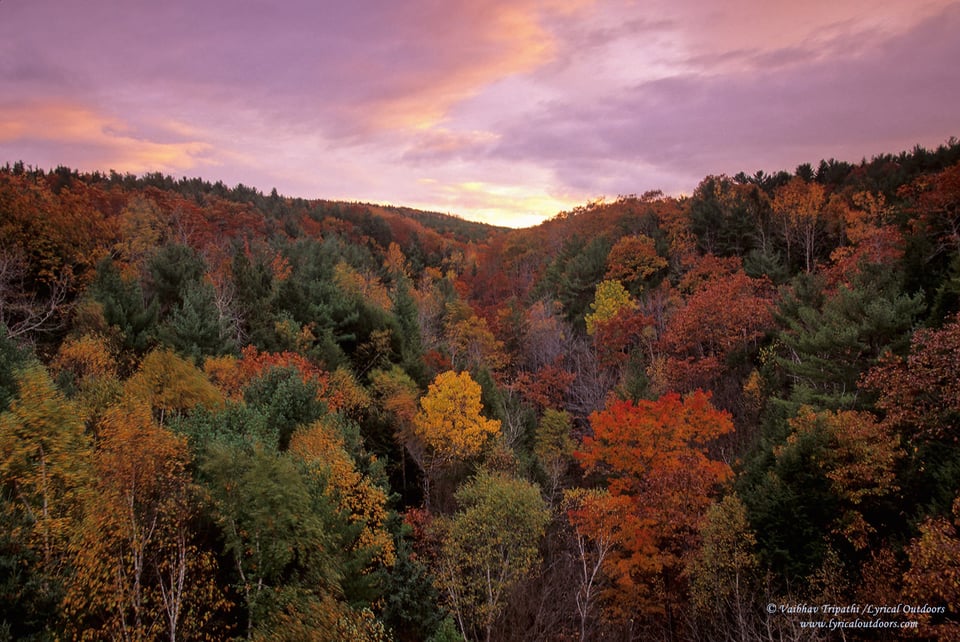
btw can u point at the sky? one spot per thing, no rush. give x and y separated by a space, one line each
502 111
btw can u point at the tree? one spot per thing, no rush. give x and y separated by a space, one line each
592 514
45 465
25 306
723 571
12 358
934 574
860 458
825 495
124 306
798 207
553 447
195 327
919 393
472 346
360 501
729 218
232 376
395 396
633 260
412 606
654 456
610 298
936 202
449 426
489 546
139 573
274 522
174 270
287 399
832 337
171 385
574 275
253 301
725 316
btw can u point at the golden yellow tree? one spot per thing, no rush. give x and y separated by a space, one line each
610 298
44 467
363 503
798 207
139 574
449 426
171 385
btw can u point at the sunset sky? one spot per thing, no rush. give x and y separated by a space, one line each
506 111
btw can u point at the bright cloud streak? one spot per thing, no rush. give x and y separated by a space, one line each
499 110
97 138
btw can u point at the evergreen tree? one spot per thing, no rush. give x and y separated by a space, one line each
287 401
173 270
124 306
194 327
254 299
832 338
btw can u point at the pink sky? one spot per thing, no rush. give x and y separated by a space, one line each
506 111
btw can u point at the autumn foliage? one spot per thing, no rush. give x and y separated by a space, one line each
226 414
654 456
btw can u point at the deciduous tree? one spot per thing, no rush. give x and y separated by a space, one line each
633 260
45 466
139 573
489 546
655 455
171 385
934 574
449 426
920 393
610 298
798 207
275 525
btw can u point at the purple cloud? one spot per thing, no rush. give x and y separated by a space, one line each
788 108
489 108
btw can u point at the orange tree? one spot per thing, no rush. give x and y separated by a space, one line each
654 457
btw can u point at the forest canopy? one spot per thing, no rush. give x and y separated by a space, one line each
226 414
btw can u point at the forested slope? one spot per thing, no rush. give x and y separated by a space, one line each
225 414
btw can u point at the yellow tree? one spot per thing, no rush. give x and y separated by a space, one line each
363 503
553 447
610 298
171 385
449 426
723 571
798 206
472 344
44 467
91 364
138 572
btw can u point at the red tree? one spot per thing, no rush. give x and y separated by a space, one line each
660 477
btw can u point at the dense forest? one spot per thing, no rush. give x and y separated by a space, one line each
232 415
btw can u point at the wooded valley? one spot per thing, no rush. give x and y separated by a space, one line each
226 414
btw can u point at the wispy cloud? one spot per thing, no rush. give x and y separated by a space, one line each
61 132
504 104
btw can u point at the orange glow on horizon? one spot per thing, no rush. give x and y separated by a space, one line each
115 143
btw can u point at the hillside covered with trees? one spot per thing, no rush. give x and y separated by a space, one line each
231 415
